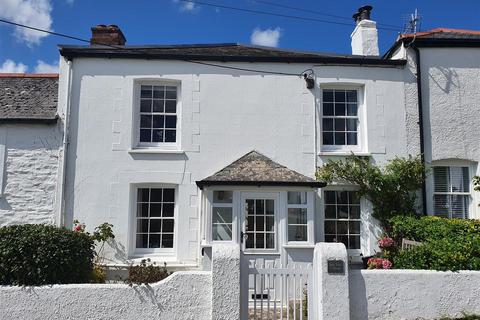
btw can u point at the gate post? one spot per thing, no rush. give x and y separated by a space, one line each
225 281
330 282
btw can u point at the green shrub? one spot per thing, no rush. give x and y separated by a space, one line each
447 244
146 272
43 254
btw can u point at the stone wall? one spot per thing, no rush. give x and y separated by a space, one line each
30 165
183 295
413 294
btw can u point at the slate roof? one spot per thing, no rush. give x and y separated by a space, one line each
28 98
220 52
256 169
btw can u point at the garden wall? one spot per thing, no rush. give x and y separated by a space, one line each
412 294
183 295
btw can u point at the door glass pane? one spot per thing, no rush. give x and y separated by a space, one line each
260 223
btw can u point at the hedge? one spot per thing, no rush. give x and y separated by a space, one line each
42 254
447 244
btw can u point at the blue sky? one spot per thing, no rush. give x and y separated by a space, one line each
173 22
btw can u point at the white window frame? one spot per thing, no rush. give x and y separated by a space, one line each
310 218
222 205
145 252
167 146
361 127
451 164
351 252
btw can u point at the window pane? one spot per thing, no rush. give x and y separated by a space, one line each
222 232
259 207
354 242
222 196
353 197
459 206
168 210
171 93
158 122
351 138
343 239
142 210
157 136
339 138
330 227
143 194
221 215
328 109
170 135
145 105
155 209
440 205
327 124
330 212
327 138
352 110
330 197
158 105
146 92
297 233
156 195
342 227
167 241
297 216
354 212
169 195
342 197
342 212
459 181
327 95
351 124
250 240
145 135
155 225
440 177
154 241
352 95
259 223
142 241
270 241
159 92
269 207
259 240
142 225
339 124
270 223
339 95
339 109
295 197
354 227
170 121
170 106
167 225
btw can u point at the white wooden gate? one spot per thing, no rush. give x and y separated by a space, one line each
270 291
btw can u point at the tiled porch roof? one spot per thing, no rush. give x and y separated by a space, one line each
258 170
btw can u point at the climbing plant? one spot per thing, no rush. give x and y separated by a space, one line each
391 188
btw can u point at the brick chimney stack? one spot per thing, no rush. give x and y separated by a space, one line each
108 35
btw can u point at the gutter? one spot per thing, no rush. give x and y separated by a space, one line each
62 177
420 123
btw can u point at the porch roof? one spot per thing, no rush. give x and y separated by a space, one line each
255 169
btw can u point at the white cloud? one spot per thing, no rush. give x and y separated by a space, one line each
10 66
35 13
268 37
43 67
186 5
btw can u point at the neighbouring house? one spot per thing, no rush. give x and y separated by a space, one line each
447 62
30 139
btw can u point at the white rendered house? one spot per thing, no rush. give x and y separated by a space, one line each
182 146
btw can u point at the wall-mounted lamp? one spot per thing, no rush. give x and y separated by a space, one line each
310 81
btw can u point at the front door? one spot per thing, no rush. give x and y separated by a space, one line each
259 223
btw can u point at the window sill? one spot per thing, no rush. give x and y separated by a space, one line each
154 151
344 153
299 246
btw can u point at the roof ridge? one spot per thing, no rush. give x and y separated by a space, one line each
440 30
28 75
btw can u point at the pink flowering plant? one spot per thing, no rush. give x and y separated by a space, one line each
379 263
386 243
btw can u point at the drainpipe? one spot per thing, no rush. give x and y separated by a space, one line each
65 142
420 123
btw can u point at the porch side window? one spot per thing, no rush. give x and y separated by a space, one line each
297 216
155 218
451 192
158 114
340 122
342 218
222 215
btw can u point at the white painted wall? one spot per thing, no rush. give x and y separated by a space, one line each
451 104
29 164
412 294
224 114
183 295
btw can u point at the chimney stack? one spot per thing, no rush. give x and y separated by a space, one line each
107 35
365 36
